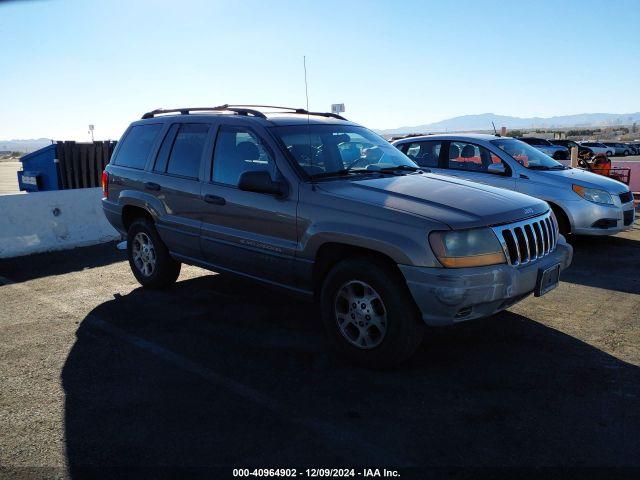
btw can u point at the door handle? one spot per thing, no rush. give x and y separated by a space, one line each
151 186
214 199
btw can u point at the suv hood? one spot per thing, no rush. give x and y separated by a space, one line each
455 202
588 179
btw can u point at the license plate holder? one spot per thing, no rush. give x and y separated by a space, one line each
548 279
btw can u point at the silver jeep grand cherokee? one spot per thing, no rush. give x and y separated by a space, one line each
325 208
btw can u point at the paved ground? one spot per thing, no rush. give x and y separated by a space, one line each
8 177
96 371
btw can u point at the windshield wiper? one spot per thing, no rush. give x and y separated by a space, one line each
538 167
558 167
354 171
403 168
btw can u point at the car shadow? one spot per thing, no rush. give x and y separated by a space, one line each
609 262
221 372
39 265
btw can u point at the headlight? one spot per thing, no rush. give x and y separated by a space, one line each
467 248
593 194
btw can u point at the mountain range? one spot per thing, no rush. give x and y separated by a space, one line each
24 146
483 122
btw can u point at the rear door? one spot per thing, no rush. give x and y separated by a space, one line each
174 180
247 232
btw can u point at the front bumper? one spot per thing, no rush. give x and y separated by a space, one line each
446 296
585 214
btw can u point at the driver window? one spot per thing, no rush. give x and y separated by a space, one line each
470 157
237 151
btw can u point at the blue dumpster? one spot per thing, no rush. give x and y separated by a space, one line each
39 171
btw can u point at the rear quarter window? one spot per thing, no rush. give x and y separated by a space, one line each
136 145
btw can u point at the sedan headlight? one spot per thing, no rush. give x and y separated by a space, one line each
593 194
467 248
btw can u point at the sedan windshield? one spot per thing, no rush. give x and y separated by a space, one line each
526 155
328 150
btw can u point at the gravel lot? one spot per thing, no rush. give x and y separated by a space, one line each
222 372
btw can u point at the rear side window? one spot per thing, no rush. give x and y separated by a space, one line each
184 159
137 144
425 154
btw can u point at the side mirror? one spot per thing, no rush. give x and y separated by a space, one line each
497 169
261 182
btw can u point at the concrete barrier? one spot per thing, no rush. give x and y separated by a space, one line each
47 221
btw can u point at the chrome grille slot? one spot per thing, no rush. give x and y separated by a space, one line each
526 241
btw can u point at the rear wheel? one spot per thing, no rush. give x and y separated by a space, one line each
149 258
369 314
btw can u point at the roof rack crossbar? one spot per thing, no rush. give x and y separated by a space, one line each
301 111
221 108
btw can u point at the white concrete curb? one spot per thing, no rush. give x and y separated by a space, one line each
47 221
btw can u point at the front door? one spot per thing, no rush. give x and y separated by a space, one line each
247 232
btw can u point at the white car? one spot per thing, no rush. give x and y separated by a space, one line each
598 148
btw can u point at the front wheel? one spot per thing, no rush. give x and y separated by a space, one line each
149 258
369 314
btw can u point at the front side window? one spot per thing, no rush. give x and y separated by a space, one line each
186 153
526 155
239 150
469 156
325 150
137 144
425 154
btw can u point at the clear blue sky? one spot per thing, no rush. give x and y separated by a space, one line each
65 64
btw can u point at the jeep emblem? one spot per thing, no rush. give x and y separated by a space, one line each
528 211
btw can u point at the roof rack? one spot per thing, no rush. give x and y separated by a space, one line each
300 111
239 110
187 111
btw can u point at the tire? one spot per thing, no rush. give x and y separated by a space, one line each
164 270
396 311
563 222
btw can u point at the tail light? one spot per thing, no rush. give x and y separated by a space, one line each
105 184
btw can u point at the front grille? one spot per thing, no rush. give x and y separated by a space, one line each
628 217
626 197
526 241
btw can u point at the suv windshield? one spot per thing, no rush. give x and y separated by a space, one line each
327 150
526 155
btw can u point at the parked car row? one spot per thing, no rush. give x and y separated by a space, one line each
387 239
623 149
559 149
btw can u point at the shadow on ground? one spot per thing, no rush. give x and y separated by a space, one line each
22 269
219 371
608 262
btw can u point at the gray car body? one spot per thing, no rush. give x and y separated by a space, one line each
555 187
279 240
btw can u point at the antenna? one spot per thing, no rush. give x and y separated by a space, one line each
306 86
306 93
494 129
